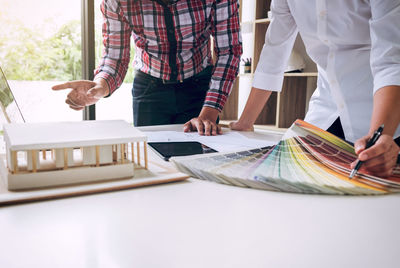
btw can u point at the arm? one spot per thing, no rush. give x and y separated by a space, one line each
385 65
112 69
116 40
228 49
254 105
268 76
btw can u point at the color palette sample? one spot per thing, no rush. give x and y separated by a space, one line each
306 160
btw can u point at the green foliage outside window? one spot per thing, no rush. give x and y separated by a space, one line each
27 54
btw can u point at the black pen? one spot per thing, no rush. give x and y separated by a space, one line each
370 142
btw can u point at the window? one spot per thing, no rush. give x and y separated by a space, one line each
40 45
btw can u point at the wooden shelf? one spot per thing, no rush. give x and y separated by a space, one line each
225 123
266 20
246 74
283 107
247 22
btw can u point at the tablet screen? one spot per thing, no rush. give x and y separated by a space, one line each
169 149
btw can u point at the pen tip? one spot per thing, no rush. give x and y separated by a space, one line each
352 173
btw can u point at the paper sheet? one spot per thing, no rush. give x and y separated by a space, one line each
228 141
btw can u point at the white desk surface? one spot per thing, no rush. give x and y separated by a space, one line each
202 224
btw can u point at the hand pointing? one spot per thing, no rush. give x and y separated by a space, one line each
84 92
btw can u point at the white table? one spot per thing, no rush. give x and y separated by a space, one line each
202 224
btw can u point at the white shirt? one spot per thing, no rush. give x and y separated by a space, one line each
356 46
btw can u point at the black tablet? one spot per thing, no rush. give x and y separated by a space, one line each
181 148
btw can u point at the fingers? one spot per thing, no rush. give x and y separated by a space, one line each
360 144
381 158
219 130
381 146
187 127
198 124
61 86
379 168
75 84
203 127
208 128
83 93
73 105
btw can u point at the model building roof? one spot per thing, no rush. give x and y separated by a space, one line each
36 136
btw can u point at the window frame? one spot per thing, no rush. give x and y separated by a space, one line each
88 50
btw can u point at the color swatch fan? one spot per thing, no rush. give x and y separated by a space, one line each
306 160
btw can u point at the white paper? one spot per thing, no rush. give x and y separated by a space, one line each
228 141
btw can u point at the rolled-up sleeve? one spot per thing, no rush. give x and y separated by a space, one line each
116 41
385 42
228 48
279 41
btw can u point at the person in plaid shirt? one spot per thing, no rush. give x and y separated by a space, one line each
176 80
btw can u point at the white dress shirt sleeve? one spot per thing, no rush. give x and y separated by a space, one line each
279 41
385 42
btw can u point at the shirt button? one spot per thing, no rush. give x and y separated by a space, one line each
171 31
322 14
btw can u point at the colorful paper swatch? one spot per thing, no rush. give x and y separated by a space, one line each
306 160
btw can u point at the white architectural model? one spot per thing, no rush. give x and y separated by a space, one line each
53 154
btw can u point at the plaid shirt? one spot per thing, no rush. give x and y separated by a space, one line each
172 41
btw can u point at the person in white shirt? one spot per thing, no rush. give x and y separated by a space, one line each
356 46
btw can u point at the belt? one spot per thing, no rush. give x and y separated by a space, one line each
173 82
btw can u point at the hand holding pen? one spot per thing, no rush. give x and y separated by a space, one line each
379 159
370 143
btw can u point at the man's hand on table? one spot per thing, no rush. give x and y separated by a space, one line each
205 124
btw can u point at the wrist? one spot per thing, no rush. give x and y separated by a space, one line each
209 113
104 85
245 124
248 119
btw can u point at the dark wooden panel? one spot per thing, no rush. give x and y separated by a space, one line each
230 111
262 7
259 40
268 114
292 101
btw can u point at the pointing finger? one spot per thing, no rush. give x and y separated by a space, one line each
63 86
74 84
59 87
